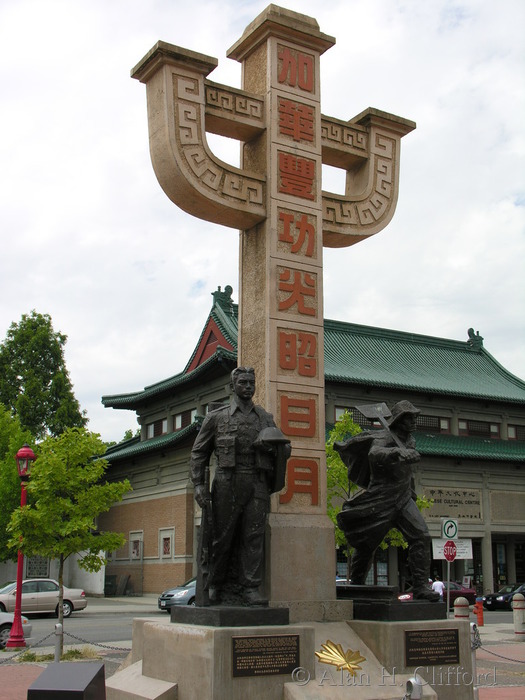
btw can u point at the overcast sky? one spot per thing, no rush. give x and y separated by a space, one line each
89 237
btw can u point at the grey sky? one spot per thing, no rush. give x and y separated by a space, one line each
90 238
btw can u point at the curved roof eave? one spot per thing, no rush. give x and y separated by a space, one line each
132 401
153 445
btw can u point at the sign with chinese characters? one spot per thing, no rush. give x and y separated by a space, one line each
431 647
264 655
454 503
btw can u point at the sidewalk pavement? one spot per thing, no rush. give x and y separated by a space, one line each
500 661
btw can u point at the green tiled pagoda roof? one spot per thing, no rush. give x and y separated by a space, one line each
366 355
469 447
393 359
134 447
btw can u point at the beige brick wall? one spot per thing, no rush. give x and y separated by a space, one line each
151 516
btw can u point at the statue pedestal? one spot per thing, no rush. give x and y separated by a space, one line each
175 661
381 603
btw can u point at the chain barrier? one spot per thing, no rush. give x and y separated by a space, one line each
66 634
96 644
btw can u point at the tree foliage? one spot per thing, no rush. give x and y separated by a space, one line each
339 488
34 381
66 493
12 437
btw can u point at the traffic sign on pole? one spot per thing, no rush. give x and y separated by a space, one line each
449 550
449 529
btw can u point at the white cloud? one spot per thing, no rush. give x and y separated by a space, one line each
90 238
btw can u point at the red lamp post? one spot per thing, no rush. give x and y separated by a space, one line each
24 459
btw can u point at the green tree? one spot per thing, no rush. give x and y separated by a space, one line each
12 437
339 488
66 492
34 381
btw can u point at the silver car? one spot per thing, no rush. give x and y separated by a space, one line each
40 595
6 622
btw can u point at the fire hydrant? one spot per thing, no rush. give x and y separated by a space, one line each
478 611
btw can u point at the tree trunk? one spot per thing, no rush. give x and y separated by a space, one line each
61 601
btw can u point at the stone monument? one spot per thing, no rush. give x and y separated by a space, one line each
275 199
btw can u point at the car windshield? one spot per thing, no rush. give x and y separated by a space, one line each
7 587
506 589
189 583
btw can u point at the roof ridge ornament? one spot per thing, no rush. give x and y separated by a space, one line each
475 340
223 299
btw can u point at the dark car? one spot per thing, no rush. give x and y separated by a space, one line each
180 595
502 600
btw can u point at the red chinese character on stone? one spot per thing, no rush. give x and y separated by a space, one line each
296 120
298 351
298 416
296 69
302 476
296 176
298 285
303 230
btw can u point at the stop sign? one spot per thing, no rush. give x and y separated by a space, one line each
449 550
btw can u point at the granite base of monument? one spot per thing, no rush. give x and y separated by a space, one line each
439 651
174 661
223 616
382 603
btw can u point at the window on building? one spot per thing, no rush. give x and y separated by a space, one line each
433 424
166 543
357 417
135 545
159 427
478 428
182 420
516 432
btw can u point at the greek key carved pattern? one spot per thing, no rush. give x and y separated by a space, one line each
343 135
234 104
368 211
227 184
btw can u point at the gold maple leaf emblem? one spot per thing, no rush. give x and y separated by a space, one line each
333 654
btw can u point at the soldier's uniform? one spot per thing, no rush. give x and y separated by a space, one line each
240 491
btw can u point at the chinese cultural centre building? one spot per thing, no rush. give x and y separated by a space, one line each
470 433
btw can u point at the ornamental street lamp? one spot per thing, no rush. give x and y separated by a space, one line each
24 459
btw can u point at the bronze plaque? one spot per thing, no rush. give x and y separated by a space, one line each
265 655
431 647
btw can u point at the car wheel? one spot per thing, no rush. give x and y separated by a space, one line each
192 601
67 608
2 607
5 631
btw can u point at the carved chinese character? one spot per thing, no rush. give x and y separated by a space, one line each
298 232
298 351
298 416
296 176
302 476
298 285
296 120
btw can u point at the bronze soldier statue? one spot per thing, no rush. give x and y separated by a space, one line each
381 462
251 454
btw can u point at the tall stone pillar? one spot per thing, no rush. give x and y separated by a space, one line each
281 299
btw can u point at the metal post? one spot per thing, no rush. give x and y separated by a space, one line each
59 633
16 637
474 644
448 589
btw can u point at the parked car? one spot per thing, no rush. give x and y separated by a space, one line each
502 600
459 591
180 595
6 622
40 595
